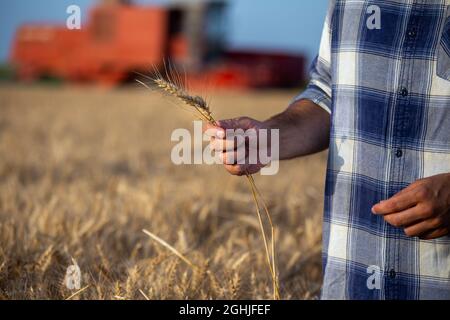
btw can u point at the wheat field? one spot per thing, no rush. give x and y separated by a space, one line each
83 171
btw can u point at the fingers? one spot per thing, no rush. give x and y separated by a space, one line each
213 131
242 169
401 201
434 234
424 227
419 222
407 217
237 170
231 148
227 144
406 198
421 209
222 139
232 157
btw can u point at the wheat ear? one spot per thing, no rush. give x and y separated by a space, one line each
174 88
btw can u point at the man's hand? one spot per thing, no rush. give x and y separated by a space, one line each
422 209
304 128
227 148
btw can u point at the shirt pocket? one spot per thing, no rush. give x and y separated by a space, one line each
443 54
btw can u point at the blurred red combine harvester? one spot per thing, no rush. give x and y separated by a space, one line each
120 39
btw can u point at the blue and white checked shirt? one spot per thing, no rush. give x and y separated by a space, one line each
388 92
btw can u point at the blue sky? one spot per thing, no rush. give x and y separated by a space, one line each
293 25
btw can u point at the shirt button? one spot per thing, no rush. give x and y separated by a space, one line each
403 92
399 153
392 274
412 33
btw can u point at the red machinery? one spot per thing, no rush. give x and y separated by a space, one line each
119 39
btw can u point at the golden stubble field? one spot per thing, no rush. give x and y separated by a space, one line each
83 171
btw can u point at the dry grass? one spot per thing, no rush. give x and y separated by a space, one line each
83 171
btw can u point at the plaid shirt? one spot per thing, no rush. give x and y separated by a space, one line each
388 92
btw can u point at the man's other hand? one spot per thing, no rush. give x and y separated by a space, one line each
422 209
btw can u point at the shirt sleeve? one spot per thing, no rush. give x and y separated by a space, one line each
319 86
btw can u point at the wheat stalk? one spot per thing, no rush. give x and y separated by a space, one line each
173 86
144 295
168 246
77 292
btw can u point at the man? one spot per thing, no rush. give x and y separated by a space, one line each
379 99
